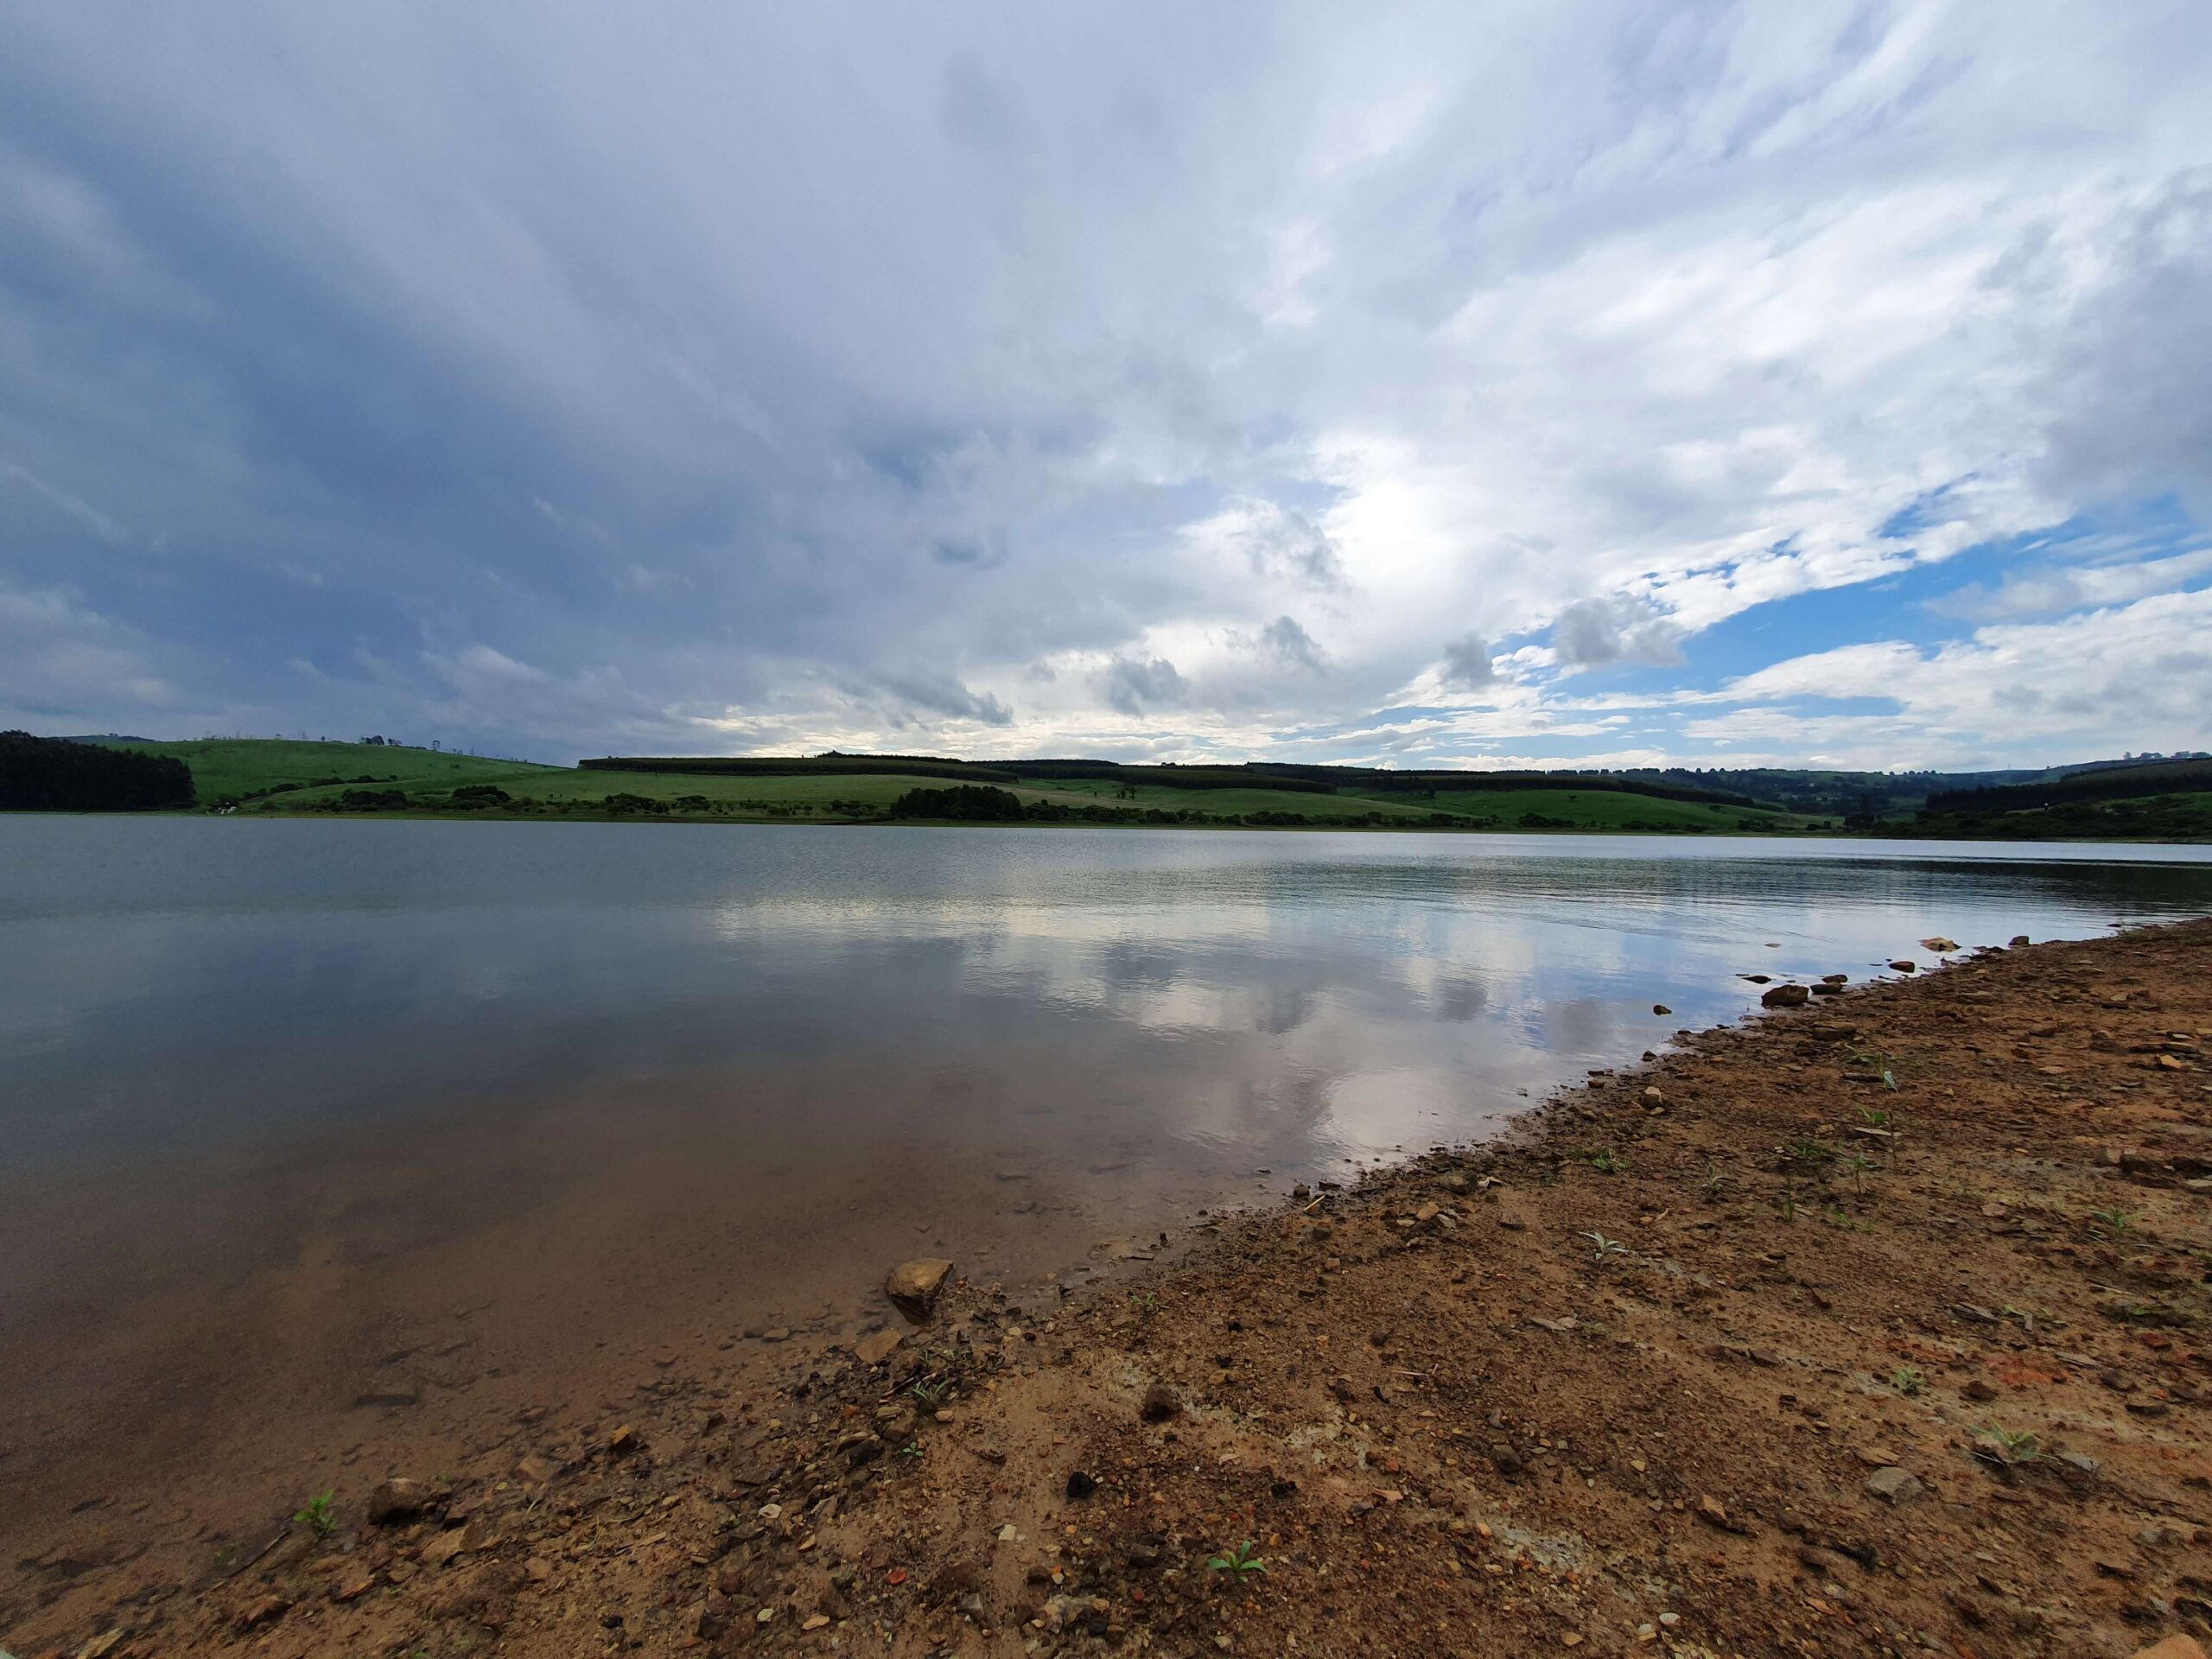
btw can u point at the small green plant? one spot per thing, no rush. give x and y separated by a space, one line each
226 1555
1239 1563
1837 1217
931 1393
1713 1180
321 1516
1909 1381
1811 1151
1859 1163
2001 1445
1788 1203
1606 1247
1875 1119
2116 1222
911 1449
1602 1161
1144 1304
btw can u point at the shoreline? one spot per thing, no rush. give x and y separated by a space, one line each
1684 1355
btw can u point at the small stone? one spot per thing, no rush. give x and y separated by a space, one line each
623 1440
1714 1513
538 1568
2019 939
914 1284
1979 1388
1835 979
1902 965
1081 1486
1785 997
263 1611
1571 1639
1877 1457
1894 1485
1160 1404
1938 944
445 1546
815 1622
402 1499
535 1470
2174 1647
1654 1097
874 1347
353 1584
1661 1009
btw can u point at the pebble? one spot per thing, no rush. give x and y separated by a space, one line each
1893 1486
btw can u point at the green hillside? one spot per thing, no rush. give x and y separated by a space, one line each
236 768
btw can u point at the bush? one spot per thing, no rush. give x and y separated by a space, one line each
51 774
373 800
965 803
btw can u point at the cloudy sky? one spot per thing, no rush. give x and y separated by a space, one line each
1478 385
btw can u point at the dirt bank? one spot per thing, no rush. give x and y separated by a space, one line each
1876 1328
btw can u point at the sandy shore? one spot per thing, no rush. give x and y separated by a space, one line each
1872 1327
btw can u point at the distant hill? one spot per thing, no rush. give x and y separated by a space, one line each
2092 799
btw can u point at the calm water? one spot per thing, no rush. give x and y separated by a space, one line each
1200 1003
513 1113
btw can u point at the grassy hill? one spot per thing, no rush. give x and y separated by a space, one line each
265 776
237 768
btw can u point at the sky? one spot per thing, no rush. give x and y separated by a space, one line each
1481 384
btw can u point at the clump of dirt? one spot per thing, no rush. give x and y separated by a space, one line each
1872 1327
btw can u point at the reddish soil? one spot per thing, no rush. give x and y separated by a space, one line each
1787 1357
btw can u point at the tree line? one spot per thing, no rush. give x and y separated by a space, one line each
51 774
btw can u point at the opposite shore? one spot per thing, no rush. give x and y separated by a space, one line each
1870 1327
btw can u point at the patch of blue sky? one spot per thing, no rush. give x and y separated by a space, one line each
1905 606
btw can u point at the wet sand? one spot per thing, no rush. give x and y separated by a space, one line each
1676 1373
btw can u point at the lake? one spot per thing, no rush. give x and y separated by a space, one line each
282 1101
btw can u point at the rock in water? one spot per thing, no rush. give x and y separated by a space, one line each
1902 965
1661 1008
1786 996
914 1284
1939 944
